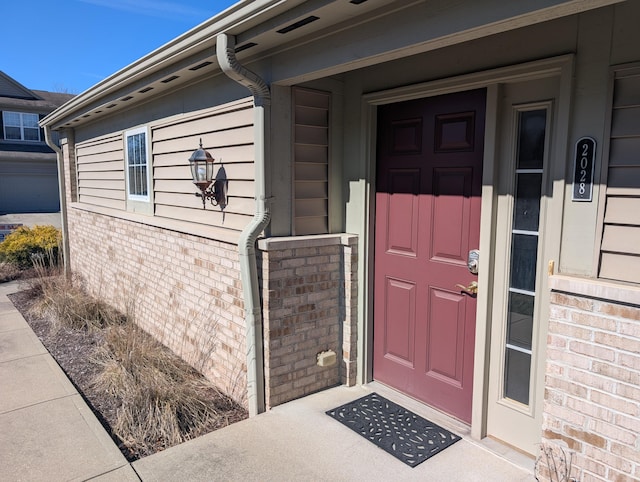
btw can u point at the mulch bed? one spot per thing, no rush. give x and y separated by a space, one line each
73 350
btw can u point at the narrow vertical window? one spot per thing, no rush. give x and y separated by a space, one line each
137 164
531 132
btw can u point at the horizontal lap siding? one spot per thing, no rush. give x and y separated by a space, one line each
227 133
100 172
620 252
311 161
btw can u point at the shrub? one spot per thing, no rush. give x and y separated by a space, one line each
21 246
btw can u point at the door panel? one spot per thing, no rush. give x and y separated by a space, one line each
444 346
404 239
429 174
400 300
451 187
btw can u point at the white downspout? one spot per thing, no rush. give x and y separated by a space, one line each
63 201
225 50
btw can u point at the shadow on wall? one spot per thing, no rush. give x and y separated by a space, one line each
221 186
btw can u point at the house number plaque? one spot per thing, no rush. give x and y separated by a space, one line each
585 157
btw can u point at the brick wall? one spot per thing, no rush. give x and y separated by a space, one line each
309 302
592 398
185 290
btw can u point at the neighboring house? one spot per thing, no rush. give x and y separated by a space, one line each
371 148
28 171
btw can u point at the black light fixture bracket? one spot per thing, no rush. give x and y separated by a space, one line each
213 193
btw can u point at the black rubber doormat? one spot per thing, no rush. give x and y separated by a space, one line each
402 433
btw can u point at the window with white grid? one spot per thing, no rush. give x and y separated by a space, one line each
21 126
137 162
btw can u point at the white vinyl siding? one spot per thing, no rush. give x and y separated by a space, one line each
21 126
311 161
620 251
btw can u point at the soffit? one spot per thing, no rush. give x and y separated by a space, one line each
282 24
261 27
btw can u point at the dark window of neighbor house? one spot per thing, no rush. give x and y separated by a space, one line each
136 155
20 126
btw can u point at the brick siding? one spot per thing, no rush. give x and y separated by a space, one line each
184 290
309 303
592 396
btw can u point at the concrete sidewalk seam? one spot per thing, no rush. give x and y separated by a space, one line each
26 357
99 476
40 403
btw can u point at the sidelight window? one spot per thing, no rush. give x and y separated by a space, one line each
525 235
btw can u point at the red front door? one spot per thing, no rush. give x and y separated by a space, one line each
429 183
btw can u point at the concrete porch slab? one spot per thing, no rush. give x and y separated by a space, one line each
298 441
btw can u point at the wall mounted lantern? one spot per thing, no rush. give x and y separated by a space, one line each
201 163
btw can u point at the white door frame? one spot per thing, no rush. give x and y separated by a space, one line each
562 67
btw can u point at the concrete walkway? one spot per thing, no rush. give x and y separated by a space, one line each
47 433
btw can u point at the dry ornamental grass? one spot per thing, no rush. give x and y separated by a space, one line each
157 399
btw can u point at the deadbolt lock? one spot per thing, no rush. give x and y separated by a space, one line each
472 289
473 261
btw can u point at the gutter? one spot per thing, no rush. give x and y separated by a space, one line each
247 244
63 201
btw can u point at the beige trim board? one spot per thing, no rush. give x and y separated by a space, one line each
210 232
596 288
537 69
488 220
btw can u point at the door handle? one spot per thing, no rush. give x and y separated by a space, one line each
472 289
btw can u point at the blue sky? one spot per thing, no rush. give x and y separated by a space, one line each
70 45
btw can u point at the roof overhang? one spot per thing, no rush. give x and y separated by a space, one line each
265 28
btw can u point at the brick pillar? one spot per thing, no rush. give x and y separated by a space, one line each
309 304
592 397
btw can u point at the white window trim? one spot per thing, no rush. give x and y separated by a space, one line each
21 126
135 202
